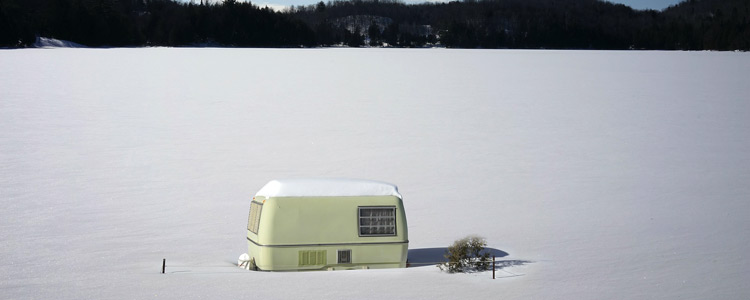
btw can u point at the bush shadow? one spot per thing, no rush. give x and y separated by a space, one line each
432 256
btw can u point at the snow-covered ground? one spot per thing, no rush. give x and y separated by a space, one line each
601 175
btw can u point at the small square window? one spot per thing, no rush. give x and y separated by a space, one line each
345 256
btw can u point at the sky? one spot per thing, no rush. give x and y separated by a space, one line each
647 4
637 4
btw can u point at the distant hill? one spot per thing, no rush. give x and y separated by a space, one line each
560 24
556 24
707 24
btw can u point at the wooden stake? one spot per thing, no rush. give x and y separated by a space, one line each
163 265
493 267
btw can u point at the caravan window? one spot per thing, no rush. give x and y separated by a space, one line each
253 221
377 221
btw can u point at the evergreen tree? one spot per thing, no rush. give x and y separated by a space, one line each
373 32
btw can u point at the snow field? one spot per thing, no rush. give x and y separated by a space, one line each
619 175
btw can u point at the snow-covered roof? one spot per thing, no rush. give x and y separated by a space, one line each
327 187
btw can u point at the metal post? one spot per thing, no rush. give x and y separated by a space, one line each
163 265
493 267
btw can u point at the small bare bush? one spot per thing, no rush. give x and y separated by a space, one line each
466 255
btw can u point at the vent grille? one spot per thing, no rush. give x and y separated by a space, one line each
345 256
312 257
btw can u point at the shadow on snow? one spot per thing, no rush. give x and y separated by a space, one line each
433 256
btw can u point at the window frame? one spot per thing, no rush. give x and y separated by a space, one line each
359 221
253 223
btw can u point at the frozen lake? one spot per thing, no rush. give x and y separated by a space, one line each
605 174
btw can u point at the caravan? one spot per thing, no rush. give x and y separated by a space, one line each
326 224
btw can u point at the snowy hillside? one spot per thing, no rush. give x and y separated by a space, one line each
596 175
43 42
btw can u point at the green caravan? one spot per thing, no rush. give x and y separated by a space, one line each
326 224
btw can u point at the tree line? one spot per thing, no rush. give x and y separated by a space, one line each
117 23
551 24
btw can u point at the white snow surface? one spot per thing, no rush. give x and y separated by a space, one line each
592 174
325 187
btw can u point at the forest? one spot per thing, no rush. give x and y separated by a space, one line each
508 24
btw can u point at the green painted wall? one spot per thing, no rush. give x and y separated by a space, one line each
289 225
